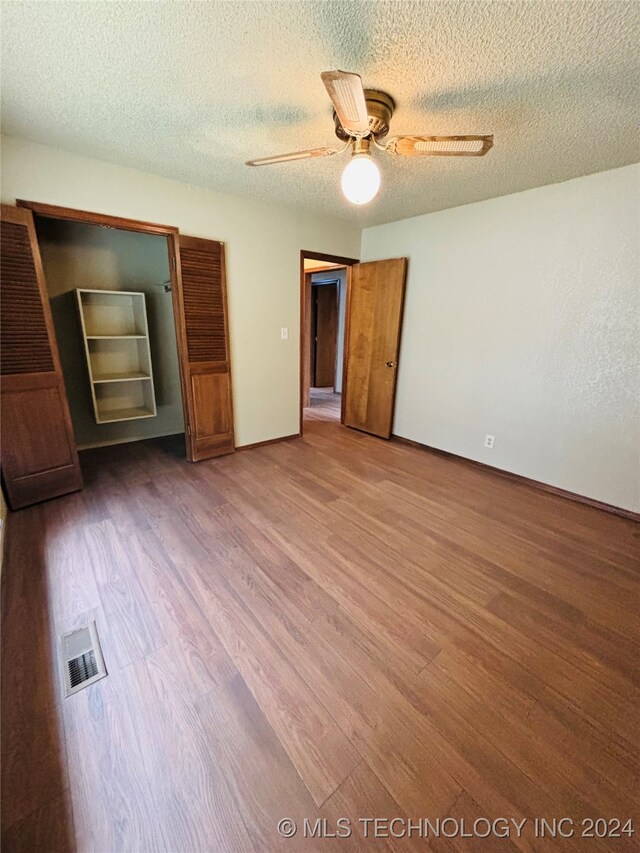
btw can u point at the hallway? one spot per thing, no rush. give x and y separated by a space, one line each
325 405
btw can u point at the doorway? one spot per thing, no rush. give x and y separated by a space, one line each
118 351
327 316
369 338
323 299
108 266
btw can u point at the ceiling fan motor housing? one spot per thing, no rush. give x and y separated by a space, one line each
380 107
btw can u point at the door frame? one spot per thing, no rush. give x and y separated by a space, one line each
334 283
305 317
120 223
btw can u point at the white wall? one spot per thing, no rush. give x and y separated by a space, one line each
522 321
263 246
521 317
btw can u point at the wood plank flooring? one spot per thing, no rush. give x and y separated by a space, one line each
324 405
330 627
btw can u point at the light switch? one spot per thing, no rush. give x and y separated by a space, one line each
284 333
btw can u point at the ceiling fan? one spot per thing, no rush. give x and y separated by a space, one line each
361 118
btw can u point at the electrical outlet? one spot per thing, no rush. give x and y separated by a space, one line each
489 440
284 333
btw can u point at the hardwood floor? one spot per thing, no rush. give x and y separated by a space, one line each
324 405
330 627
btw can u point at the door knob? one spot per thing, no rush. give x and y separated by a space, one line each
391 364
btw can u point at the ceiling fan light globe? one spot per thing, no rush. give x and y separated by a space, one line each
360 179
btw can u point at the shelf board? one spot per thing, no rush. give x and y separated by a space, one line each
119 377
115 337
123 293
123 415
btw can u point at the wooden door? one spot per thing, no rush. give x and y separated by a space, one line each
203 344
39 457
374 320
326 334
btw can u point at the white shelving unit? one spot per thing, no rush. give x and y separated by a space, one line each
116 344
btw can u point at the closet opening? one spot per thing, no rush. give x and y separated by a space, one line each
110 292
323 309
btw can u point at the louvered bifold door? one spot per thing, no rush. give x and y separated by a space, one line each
39 457
205 348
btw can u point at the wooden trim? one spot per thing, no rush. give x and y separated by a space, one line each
325 268
4 527
269 441
304 335
312 296
305 342
227 339
335 360
304 318
332 259
526 481
345 347
175 276
202 244
30 381
55 212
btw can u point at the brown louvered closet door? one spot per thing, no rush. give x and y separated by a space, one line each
39 457
205 348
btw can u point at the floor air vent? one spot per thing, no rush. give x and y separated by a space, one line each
82 661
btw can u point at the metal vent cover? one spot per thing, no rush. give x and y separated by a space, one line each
81 658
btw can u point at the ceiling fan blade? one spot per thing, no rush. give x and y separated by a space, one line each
347 96
439 146
295 155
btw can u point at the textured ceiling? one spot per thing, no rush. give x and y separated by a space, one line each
192 89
